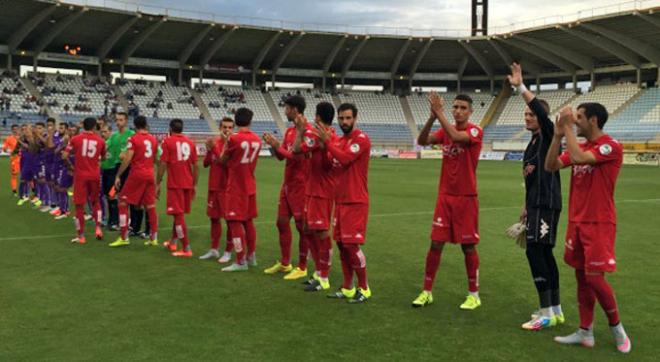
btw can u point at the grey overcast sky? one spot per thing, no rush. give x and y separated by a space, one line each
438 14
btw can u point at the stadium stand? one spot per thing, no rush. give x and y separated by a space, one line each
160 99
75 96
640 120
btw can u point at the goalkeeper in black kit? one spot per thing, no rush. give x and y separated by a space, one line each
537 229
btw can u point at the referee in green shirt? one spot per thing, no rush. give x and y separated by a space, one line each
115 145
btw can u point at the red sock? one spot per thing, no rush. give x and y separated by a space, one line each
346 268
472 268
285 242
250 237
325 255
237 231
230 246
216 233
153 222
181 232
432 263
303 247
313 244
605 295
80 219
123 220
359 264
586 300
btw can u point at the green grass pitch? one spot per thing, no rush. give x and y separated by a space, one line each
69 302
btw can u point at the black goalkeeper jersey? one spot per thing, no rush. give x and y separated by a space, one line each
543 189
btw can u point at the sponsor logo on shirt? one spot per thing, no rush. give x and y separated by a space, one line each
581 170
438 222
452 150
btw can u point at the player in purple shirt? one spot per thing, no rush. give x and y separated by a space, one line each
62 175
29 162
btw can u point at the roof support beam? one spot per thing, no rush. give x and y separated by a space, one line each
351 57
333 54
576 58
649 19
262 54
56 30
399 56
132 47
418 60
641 48
605 44
462 65
17 37
478 57
107 45
217 44
529 66
285 53
542 53
192 45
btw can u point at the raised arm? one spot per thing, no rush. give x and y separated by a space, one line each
438 107
516 80
552 160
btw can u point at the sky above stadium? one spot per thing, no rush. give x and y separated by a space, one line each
437 14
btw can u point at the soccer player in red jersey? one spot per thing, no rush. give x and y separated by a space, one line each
292 193
216 192
351 154
456 216
319 192
140 186
240 154
591 232
88 149
179 159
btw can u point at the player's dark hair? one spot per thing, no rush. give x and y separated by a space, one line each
51 120
346 107
598 110
464 97
297 102
14 126
121 114
243 117
65 125
227 119
325 111
176 125
89 123
140 122
40 124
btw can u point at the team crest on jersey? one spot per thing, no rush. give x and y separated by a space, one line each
309 142
474 132
355 148
605 149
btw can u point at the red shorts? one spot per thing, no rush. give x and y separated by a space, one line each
590 246
456 219
317 213
138 191
240 207
84 190
178 201
292 202
214 204
350 223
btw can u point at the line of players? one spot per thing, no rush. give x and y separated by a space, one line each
324 172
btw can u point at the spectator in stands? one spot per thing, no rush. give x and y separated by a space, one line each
66 108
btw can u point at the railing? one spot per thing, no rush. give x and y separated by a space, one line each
357 29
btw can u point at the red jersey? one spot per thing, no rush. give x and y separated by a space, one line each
87 148
217 171
243 151
591 198
180 153
145 148
459 162
322 178
296 169
351 153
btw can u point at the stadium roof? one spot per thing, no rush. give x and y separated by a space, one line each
622 41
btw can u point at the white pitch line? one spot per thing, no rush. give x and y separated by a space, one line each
271 222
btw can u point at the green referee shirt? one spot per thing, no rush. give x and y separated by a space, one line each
114 146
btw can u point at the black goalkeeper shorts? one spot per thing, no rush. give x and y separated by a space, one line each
542 226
